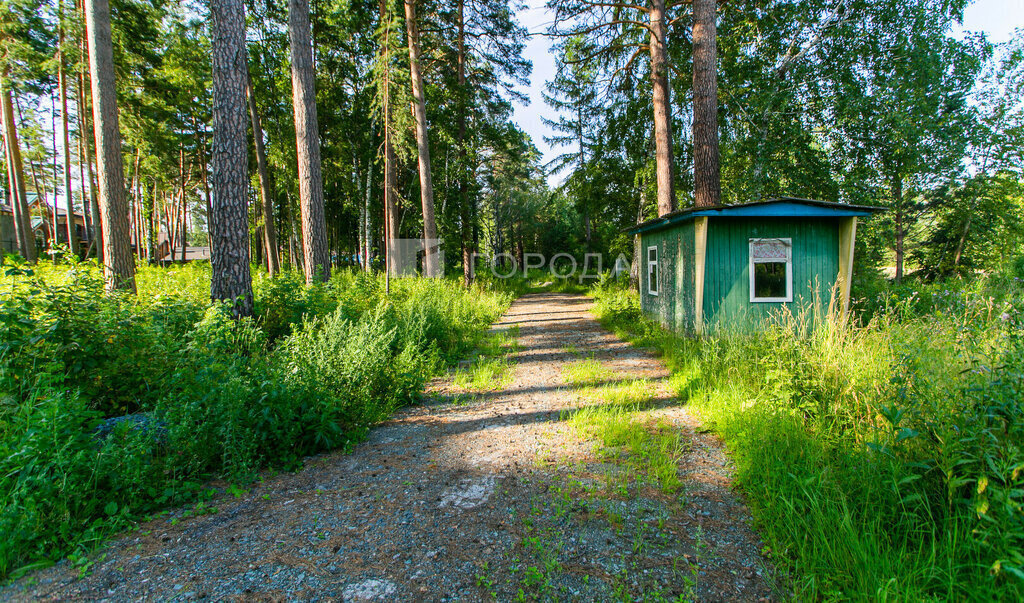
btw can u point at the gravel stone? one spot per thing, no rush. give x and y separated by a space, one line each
462 497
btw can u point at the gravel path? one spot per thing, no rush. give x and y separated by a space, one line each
466 497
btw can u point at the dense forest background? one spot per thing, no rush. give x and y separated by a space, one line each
861 102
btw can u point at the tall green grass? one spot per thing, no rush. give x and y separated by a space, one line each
617 419
881 461
204 395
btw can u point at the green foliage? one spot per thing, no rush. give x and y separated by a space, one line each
881 461
113 407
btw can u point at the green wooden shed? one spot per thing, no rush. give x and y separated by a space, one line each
730 266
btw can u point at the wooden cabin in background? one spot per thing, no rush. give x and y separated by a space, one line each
728 267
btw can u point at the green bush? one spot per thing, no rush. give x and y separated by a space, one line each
881 461
203 395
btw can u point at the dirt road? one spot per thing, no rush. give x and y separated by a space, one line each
469 496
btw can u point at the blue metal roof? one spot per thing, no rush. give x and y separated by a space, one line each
785 207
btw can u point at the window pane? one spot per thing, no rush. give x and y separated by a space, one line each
770 279
652 277
652 254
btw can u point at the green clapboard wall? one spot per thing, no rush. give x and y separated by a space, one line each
727 305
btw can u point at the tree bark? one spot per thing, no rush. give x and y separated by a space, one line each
229 258
367 224
154 224
87 218
465 218
357 176
293 255
390 205
899 218
963 241
16 174
56 181
307 142
183 219
96 227
662 109
19 233
269 228
390 169
118 264
204 168
430 258
706 171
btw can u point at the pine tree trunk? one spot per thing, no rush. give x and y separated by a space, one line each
520 247
430 259
293 254
662 109
154 224
19 233
390 205
118 264
86 214
229 258
390 170
204 168
96 228
307 142
148 215
12 187
706 176
173 212
465 218
269 229
16 174
183 223
136 202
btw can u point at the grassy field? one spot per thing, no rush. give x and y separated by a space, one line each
883 458
114 407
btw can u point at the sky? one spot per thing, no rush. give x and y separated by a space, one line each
997 18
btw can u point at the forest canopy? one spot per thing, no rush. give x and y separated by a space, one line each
851 101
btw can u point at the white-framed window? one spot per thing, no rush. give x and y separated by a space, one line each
652 270
771 270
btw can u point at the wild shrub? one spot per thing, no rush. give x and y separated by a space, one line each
112 407
882 460
63 487
283 301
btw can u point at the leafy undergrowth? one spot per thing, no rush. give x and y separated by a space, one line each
113 407
881 461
